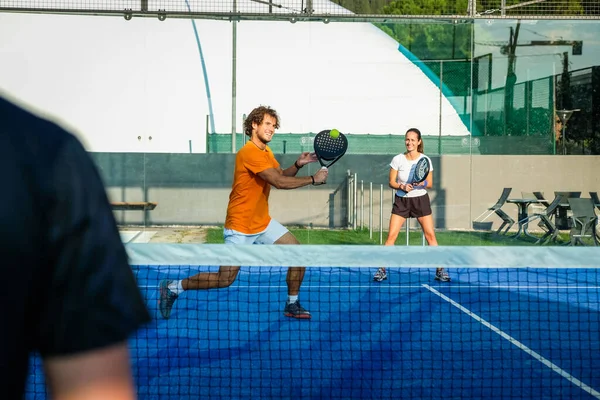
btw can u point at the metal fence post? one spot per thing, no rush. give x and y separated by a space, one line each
381 215
370 210
362 205
355 201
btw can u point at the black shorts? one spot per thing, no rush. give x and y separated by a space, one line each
412 207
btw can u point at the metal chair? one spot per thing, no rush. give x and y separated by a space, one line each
584 221
569 195
541 198
545 220
535 207
496 209
561 218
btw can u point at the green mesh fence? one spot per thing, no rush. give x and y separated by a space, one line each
295 143
528 113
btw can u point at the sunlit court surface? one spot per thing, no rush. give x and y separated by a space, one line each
527 331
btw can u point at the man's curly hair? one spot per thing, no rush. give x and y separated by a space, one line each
257 115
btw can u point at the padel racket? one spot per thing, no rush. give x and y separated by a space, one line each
422 169
328 148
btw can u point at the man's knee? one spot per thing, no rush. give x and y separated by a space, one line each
287 238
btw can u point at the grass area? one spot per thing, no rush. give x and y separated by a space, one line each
344 236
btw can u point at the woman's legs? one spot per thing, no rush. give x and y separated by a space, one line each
429 232
396 222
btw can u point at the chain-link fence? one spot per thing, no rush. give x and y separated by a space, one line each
298 10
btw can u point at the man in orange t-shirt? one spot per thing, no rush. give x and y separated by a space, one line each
248 220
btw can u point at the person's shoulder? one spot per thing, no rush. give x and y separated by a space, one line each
31 135
243 152
269 151
398 159
247 148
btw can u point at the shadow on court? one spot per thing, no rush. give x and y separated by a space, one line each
501 333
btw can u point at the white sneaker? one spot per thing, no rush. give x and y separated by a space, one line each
442 276
380 275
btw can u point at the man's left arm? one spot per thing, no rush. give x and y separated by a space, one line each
303 159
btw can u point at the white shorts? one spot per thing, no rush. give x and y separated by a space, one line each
269 236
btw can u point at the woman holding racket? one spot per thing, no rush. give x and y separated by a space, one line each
411 200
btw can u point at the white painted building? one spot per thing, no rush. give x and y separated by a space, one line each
117 83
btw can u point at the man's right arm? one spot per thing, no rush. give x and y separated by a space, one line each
275 177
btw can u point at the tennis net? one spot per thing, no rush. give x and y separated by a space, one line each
512 323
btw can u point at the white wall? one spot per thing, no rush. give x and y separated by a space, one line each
114 80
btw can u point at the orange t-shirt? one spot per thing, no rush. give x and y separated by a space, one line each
248 209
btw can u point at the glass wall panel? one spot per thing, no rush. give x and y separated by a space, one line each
156 102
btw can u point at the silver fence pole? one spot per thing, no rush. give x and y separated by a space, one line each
407 231
370 210
234 79
244 137
355 204
362 205
349 198
381 215
440 121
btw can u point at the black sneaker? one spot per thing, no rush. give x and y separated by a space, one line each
295 310
166 299
441 275
380 275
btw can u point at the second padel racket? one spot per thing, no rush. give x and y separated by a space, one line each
330 147
421 170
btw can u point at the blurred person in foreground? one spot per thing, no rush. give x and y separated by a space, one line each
69 292
248 220
412 199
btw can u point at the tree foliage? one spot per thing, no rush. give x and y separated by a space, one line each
563 7
459 7
426 7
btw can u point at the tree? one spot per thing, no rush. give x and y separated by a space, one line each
426 7
563 7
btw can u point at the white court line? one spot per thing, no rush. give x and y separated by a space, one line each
128 236
520 345
143 237
132 240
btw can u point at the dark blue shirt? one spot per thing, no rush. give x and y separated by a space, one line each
66 283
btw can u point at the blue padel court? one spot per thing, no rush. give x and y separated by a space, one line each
490 333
